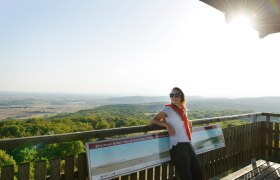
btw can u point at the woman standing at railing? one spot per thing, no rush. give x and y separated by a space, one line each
174 118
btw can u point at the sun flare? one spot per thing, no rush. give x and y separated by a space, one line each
241 21
241 28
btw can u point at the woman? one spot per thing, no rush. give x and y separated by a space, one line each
174 118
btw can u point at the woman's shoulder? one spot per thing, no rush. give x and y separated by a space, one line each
166 109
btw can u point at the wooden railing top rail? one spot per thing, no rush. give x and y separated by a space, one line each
225 118
85 135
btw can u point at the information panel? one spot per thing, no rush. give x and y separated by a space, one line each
117 157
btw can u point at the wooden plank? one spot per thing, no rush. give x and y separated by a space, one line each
270 140
266 137
171 173
255 172
69 168
275 175
276 142
133 176
210 153
7 172
213 162
216 162
40 170
150 173
200 160
55 169
263 139
142 175
164 171
205 167
256 144
126 177
234 147
157 172
267 171
210 164
245 142
256 138
225 152
238 148
230 149
244 170
241 146
251 142
24 171
82 166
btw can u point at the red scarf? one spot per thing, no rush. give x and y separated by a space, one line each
181 112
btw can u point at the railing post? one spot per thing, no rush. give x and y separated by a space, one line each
266 136
7 172
255 119
40 170
24 171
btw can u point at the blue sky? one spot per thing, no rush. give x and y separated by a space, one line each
130 47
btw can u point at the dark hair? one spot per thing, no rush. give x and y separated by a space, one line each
183 97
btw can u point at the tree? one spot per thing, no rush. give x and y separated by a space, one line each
62 150
102 124
26 154
6 159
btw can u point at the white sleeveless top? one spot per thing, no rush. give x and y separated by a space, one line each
176 122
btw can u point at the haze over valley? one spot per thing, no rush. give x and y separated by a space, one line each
26 105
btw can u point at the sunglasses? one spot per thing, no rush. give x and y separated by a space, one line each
176 95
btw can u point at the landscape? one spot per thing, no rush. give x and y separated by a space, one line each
28 105
34 114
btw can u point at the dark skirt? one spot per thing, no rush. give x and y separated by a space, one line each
185 161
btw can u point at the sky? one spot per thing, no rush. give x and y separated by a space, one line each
132 47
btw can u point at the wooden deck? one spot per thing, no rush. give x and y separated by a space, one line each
258 170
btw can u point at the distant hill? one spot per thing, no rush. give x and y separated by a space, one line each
26 105
144 99
29 99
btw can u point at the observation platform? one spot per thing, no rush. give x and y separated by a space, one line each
259 139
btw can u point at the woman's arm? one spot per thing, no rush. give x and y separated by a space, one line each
157 121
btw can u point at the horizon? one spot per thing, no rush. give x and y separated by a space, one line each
133 48
96 95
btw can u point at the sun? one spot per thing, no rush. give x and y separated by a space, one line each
241 27
241 21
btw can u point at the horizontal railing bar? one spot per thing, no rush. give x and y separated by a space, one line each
86 135
271 114
224 118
